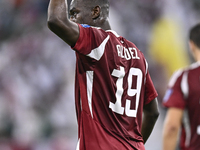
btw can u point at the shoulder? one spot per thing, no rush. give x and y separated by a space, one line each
193 66
177 74
184 71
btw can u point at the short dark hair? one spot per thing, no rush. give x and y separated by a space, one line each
195 34
104 4
99 2
96 2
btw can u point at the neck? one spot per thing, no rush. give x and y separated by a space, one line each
198 57
196 53
103 24
106 26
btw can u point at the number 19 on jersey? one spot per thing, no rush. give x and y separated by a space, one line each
117 106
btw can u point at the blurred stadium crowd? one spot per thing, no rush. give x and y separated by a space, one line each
37 109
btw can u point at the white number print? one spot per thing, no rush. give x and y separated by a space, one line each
117 106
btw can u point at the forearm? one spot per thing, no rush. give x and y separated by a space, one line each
150 116
170 139
171 128
148 125
59 23
57 10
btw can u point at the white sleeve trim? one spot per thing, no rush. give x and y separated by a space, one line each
184 85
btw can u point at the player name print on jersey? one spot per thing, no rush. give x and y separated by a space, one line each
127 53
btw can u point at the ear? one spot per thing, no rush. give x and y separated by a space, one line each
96 12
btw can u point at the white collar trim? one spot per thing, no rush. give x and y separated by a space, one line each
115 33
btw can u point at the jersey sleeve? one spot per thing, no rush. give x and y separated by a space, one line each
150 91
174 96
89 39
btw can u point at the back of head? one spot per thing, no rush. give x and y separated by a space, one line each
195 35
96 2
104 4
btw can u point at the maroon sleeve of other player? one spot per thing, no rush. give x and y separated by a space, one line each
174 96
150 91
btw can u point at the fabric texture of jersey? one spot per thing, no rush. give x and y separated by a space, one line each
184 93
112 85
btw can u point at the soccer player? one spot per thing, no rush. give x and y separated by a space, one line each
183 101
113 87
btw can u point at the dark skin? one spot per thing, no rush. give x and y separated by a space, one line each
67 29
150 116
88 12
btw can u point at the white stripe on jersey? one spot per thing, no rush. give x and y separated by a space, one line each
184 85
146 66
198 130
89 79
174 77
187 128
78 145
146 70
97 53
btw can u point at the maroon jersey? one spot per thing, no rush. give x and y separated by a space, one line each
112 85
184 93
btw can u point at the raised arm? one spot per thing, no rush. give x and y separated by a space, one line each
59 23
150 117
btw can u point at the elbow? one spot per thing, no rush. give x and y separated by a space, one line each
57 25
52 23
153 116
170 131
156 114
151 110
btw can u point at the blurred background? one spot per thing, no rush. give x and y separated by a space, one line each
37 110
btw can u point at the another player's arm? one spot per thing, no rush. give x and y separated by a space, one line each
59 23
150 116
171 128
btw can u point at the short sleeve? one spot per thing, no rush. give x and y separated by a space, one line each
150 91
174 96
